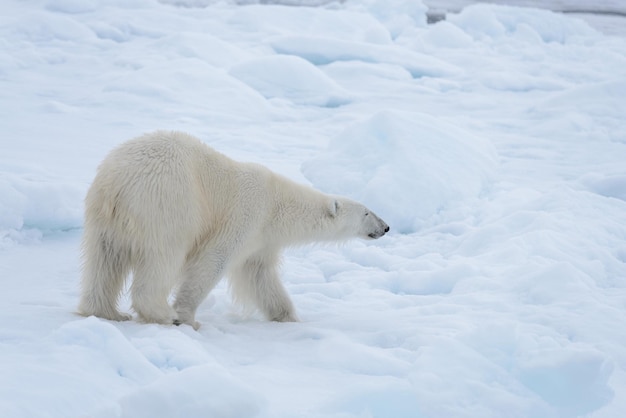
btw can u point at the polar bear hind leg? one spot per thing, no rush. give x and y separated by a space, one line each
154 276
105 268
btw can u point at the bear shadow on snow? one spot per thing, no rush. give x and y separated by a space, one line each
180 215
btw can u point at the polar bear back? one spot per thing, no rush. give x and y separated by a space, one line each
170 180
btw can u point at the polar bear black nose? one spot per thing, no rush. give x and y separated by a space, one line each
387 229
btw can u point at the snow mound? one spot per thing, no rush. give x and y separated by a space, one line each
342 24
292 78
38 203
201 391
573 381
71 6
446 35
397 15
48 27
405 166
601 99
389 401
610 186
93 340
194 82
518 82
320 51
483 21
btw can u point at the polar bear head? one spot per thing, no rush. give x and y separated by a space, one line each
352 219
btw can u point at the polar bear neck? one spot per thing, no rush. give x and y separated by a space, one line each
300 214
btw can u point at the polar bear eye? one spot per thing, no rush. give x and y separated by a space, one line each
366 213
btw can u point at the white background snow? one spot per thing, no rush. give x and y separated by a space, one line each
493 143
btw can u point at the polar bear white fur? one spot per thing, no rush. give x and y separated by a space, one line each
179 215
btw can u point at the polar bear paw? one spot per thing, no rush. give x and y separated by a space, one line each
108 313
284 316
194 324
119 316
156 314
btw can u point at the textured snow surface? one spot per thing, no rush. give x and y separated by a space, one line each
493 143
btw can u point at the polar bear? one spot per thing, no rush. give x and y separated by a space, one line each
180 215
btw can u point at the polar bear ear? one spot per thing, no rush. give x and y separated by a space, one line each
333 207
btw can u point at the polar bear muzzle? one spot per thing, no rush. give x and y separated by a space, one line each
380 228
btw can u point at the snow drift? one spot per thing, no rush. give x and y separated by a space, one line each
408 166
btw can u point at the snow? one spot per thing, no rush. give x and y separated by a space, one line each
290 77
320 51
493 143
446 165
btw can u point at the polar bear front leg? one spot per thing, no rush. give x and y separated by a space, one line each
257 281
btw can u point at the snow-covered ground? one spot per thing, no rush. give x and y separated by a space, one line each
493 143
